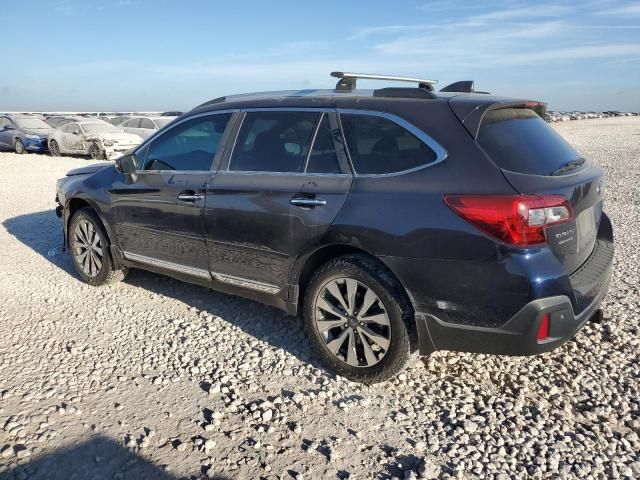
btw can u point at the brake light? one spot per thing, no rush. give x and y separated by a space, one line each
514 219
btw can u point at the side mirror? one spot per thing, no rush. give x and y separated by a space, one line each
8 127
126 164
76 132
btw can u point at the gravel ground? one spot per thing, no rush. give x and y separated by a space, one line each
153 378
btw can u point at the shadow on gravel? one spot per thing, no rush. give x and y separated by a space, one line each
42 232
260 321
98 458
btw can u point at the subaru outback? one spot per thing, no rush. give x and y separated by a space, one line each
395 222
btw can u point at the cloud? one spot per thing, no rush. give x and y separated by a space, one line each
632 9
527 13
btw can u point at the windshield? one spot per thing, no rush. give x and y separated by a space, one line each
518 140
161 122
100 128
27 122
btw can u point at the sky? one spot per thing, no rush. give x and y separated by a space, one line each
111 55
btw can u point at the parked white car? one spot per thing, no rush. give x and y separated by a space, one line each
145 126
95 138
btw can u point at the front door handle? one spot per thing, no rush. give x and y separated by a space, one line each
308 202
190 197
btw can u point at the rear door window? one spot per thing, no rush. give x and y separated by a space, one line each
518 140
378 145
273 142
323 157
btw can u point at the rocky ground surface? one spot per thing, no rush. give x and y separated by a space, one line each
153 378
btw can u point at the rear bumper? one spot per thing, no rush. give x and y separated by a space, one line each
519 335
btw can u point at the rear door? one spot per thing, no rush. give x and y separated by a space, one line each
535 159
275 196
158 216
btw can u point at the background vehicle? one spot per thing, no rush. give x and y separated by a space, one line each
95 138
119 119
354 209
24 133
59 120
145 126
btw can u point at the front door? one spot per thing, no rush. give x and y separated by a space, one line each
276 196
158 216
6 133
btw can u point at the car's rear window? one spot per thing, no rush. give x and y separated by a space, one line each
518 140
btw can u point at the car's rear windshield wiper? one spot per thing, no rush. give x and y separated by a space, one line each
572 165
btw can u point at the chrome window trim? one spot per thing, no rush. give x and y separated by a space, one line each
441 153
297 174
313 141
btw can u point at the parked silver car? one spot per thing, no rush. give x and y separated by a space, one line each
145 126
95 138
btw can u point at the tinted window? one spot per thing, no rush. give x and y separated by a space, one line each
132 123
2 123
323 157
379 145
517 139
189 146
273 141
146 123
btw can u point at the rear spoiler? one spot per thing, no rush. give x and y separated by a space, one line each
471 109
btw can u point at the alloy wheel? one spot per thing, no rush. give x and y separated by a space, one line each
19 146
87 248
54 148
353 322
94 152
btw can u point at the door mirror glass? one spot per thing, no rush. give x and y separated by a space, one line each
127 164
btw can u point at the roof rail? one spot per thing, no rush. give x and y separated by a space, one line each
347 80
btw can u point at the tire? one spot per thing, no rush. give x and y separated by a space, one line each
54 148
95 152
93 264
18 146
383 322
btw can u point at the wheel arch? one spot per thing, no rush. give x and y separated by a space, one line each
76 203
311 262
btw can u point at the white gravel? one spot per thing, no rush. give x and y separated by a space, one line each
153 378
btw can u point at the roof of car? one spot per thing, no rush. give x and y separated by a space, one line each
334 99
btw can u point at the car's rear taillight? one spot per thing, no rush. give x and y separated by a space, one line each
514 219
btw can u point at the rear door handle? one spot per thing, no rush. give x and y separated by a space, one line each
308 202
190 197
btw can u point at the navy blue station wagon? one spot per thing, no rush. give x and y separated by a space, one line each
394 222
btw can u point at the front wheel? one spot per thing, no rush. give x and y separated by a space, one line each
18 146
95 152
54 148
89 246
357 318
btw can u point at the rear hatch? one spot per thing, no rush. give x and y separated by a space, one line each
535 159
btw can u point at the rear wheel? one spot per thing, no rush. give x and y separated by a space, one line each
357 317
95 152
18 146
89 247
54 148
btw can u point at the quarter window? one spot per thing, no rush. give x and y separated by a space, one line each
273 141
188 146
378 145
323 157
